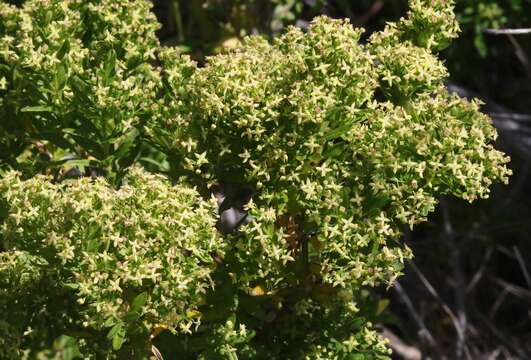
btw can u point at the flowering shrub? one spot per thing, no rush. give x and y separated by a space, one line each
117 262
77 83
342 145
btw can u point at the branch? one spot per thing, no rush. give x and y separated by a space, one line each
523 31
425 333
405 351
431 290
460 287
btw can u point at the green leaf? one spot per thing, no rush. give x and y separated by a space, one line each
138 302
63 50
71 286
109 66
60 76
79 162
78 85
159 165
131 316
93 245
334 151
118 341
128 150
109 322
117 335
68 348
38 108
118 327
356 357
338 132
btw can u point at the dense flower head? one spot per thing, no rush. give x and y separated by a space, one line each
344 143
138 255
430 24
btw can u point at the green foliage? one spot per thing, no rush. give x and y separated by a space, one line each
77 83
316 324
342 143
96 263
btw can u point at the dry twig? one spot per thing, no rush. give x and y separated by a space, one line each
400 348
523 31
424 332
433 292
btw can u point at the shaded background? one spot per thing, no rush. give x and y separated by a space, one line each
467 293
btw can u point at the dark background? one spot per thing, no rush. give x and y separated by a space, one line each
467 293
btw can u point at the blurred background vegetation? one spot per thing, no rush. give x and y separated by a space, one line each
467 294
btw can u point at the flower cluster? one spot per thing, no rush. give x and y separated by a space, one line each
78 80
131 259
344 144
429 24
